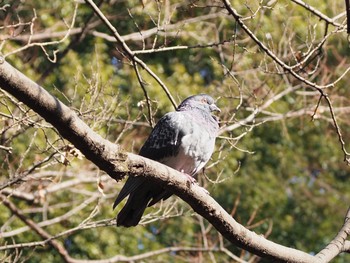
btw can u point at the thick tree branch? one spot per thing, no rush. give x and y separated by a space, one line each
102 152
110 159
347 246
338 244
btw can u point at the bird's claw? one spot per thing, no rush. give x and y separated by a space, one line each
192 181
190 178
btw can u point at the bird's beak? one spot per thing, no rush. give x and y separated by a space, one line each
213 107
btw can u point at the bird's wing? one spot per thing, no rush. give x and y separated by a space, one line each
165 139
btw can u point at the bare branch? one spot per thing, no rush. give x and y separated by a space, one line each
347 246
338 244
6 149
89 143
289 69
53 220
43 45
336 125
148 101
318 13
347 4
130 54
166 30
257 110
109 158
42 233
20 176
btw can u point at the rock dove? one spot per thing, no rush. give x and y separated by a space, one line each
184 140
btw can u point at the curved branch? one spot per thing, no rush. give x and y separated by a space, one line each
338 244
347 246
109 158
97 149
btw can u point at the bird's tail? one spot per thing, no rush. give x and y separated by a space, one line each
132 212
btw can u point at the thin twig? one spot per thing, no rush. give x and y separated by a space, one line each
290 70
52 221
23 175
6 149
130 54
148 100
318 13
336 125
45 44
316 108
41 232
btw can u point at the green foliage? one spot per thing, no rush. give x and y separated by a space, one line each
287 173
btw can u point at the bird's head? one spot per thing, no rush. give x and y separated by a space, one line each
201 101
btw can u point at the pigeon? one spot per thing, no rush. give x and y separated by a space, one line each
183 140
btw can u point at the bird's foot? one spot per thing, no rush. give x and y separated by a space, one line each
192 181
190 178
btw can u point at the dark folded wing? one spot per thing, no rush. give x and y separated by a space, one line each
165 139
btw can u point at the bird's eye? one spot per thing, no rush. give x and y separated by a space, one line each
204 100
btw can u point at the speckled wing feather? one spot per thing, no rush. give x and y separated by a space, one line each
165 138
